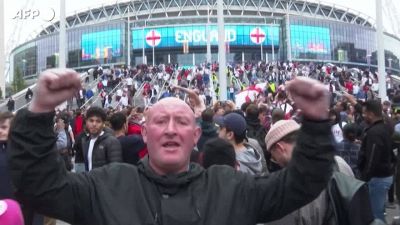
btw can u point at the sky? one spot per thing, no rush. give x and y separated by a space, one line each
18 29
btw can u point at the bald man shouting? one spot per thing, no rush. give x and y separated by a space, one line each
165 188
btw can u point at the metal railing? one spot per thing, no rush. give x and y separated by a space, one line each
140 89
163 87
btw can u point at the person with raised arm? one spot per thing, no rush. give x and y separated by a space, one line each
165 188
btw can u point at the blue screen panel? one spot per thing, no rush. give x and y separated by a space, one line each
100 45
310 39
196 35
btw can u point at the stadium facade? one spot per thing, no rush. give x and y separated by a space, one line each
178 32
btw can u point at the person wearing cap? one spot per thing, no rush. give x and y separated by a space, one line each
326 208
249 155
280 141
165 188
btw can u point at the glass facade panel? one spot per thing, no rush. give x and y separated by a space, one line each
392 52
348 43
92 39
25 61
310 42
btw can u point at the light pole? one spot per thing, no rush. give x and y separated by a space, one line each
2 55
208 57
380 51
24 67
369 61
63 36
288 38
56 59
129 40
272 41
143 43
221 52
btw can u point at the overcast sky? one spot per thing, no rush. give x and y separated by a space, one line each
28 26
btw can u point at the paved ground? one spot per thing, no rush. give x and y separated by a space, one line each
390 214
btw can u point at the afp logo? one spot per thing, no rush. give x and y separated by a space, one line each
46 15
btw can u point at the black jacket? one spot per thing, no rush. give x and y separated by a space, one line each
5 177
256 131
208 131
77 148
375 155
106 149
11 105
123 194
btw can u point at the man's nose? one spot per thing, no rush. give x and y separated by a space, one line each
171 127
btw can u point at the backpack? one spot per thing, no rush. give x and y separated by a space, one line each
347 196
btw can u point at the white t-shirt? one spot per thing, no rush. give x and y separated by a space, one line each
90 152
337 132
356 89
286 107
129 81
375 87
157 88
166 77
105 82
119 92
160 75
124 101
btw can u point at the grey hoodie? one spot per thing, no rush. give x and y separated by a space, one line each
249 161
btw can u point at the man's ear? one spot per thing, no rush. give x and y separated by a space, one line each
144 133
197 134
279 147
230 135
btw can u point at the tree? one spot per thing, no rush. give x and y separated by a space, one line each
18 83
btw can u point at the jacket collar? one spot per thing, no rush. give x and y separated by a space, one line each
373 124
172 182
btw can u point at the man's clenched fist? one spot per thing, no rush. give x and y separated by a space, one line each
53 88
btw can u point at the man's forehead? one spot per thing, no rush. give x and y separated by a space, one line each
94 117
184 109
171 104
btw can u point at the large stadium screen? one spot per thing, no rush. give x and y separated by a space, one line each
196 35
310 39
101 45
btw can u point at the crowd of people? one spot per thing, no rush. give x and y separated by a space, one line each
312 143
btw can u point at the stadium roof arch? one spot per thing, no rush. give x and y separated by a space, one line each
147 10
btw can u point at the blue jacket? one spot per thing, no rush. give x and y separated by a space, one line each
89 93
